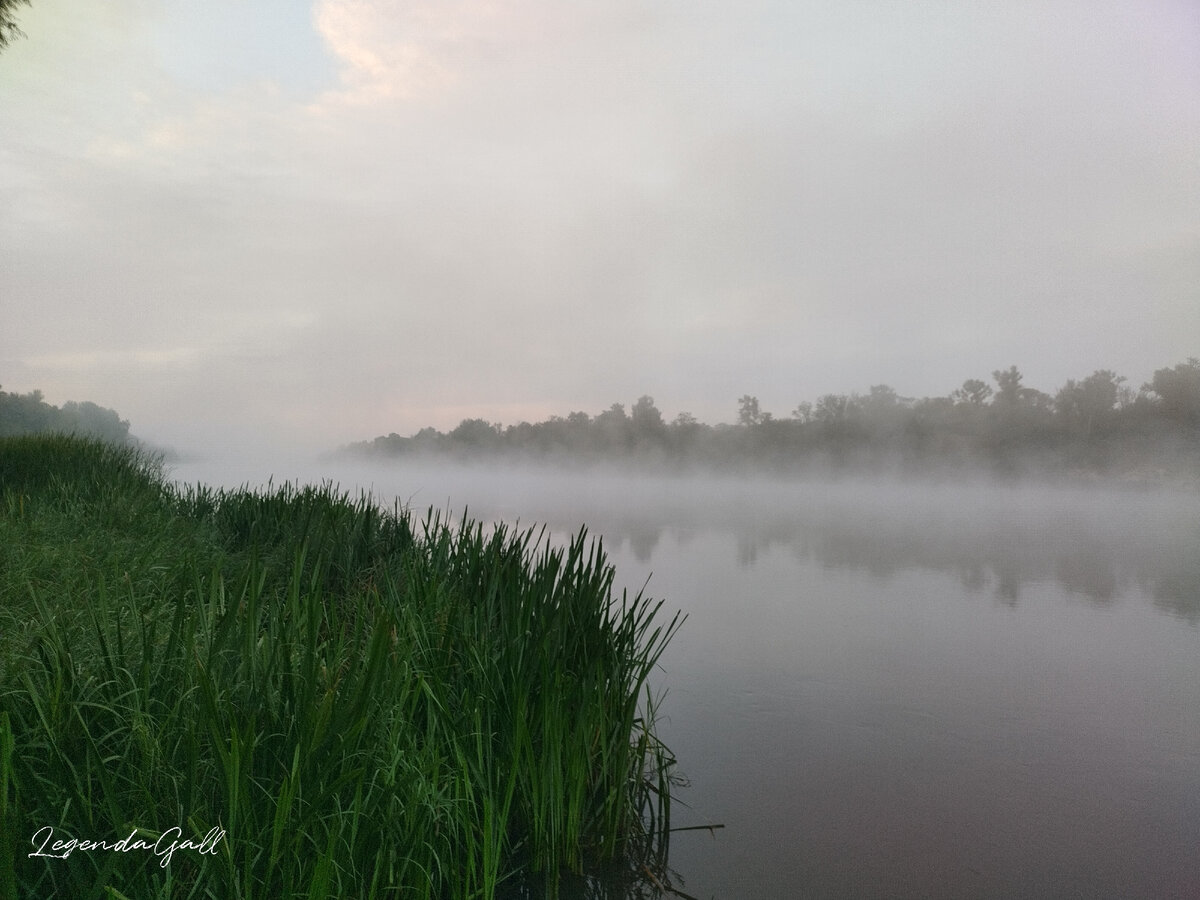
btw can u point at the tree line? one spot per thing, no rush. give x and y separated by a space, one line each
1096 424
30 414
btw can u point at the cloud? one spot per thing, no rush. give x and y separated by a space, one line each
411 50
503 209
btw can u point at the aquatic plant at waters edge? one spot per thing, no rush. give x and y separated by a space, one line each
362 702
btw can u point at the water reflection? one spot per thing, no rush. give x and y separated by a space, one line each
859 729
1100 545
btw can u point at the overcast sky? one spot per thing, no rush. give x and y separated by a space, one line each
323 222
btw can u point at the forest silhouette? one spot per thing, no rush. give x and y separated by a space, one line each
1097 425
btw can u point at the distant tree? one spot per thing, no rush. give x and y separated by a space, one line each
882 411
474 433
973 392
30 414
8 24
1011 428
647 420
615 414
576 433
612 428
839 418
1178 391
748 411
684 432
524 435
25 413
88 418
934 413
1009 383
427 438
1011 394
1019 422
883 395
832 409
1090 403
1038 401
881 402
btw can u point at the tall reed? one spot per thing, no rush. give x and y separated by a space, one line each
367 704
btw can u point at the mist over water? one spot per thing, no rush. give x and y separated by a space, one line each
893 689
465 229
1099 544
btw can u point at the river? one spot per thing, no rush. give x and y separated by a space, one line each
894 690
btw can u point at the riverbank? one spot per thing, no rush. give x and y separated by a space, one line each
307 695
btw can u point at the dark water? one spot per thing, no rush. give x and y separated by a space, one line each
900 691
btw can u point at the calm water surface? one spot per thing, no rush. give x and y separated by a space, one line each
897 691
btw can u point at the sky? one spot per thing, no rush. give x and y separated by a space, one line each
317 223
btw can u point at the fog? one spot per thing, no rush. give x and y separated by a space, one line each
458 239
314 223
1097 542
886 686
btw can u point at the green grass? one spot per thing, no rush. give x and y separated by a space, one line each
367 703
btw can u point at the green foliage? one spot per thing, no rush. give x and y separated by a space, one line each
360 703
30 414
8 22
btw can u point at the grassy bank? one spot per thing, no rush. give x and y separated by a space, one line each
346 702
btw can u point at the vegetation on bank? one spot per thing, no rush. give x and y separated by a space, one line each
1097 425
344 701
31 414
